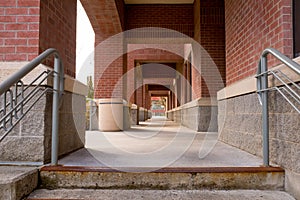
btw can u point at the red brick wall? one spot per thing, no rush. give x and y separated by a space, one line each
176 17
109 83
196 84
28 27
109 60
104 17
212 39
196 77
210 33
19 29
109 68
58 30
252 26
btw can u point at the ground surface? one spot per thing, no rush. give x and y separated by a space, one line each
158 143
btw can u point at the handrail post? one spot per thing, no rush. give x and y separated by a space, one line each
91 114
15 80
265 110
262 88
55 110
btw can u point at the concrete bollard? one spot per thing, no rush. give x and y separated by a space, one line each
110 114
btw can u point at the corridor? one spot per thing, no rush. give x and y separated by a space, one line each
154 144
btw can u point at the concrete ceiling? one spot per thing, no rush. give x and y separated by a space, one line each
159 1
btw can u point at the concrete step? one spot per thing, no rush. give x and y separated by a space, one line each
221 178
16 182
78 194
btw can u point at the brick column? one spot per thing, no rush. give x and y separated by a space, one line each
108 68
29 27
107 20
183 85
58 30
139 86
210 33
19 30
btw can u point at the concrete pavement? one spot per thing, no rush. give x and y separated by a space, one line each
158 143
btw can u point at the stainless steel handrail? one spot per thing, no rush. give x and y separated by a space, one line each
263 88
15 106
288 89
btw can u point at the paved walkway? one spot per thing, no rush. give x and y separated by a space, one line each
160 194
158 143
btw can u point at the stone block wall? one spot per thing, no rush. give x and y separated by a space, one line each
141 114
196 115
30 140
170 115
240 121
72 123
95 114
26 141
126 116
190 117
208 115
240 125
134 115
177 115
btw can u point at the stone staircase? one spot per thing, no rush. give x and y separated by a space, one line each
164 179
17 182
62 182
78 183
206 178
80 194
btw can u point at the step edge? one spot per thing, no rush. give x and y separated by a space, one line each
164 170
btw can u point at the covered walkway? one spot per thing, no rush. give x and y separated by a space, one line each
158 143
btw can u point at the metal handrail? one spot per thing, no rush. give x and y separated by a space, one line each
263 88
288 89
19 106
15 106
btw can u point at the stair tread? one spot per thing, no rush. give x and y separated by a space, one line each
10 174
79 194
163 170
222 178
17 181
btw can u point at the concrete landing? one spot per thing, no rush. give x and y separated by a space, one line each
158 143
17 182
80 194
262 178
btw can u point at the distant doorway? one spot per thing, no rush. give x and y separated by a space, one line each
158 106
